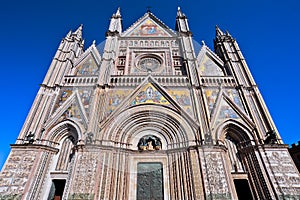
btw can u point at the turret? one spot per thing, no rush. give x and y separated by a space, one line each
110 48
70 48
182 25
186 41
115 26
228 50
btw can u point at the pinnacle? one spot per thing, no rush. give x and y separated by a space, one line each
118 13
78 32
218 31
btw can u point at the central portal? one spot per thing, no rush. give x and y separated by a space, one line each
150 181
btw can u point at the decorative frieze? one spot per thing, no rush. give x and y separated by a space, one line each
149 43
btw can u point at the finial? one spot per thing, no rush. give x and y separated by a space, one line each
179 13
148 9
69 33
94 42
203 43
118 13
218 31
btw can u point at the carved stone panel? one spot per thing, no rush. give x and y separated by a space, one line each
16 173
85 175
283 173
214 175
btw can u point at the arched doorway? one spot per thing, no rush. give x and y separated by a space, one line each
65 136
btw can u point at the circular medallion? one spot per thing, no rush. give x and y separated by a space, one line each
149 64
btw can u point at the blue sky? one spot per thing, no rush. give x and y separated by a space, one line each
266 30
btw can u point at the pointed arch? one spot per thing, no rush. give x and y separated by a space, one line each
239 131
64 129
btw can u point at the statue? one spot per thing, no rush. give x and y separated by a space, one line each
271 137
30 138
149 143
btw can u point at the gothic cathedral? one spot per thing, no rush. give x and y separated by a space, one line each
148 117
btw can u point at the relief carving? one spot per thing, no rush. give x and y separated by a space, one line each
15 174
85 175
284 172
217 182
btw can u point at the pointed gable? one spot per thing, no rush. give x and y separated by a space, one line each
149 94
211 95
88 63
87 68
209 63
225 111
148 26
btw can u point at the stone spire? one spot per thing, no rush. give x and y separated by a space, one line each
218 31
78 32
182 25
115 26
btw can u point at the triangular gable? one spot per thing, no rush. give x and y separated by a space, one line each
88 67
88 63
211 95
148 26
149 92
226 109
233 95
209 63
72 108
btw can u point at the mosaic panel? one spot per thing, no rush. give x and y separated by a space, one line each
208 67
63 96
85 96
148 28
211 97
15 174
234 96
88 68
72 112
226 112
182 97
149 94
115 97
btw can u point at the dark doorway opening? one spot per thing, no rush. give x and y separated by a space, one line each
150 181
57 189
242 189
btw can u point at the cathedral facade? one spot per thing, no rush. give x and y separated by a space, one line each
149 117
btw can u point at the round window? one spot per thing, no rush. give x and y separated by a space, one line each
149 64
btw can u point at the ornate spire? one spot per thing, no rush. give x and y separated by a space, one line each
118 13
182 25
69 33
115 26
218 31
78 32
179 13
